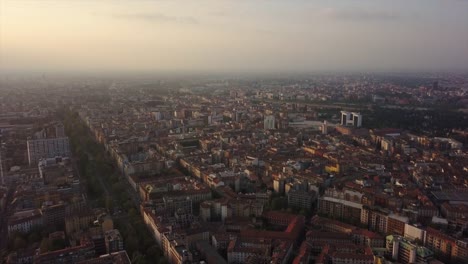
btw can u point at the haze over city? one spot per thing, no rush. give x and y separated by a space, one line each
234 131
233 36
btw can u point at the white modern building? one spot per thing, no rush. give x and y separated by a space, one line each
351 119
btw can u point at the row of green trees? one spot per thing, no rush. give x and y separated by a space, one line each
39 236
106 188
434 122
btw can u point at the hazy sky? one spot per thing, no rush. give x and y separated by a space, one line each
233 35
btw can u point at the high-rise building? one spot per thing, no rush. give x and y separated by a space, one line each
351 119
357 119
269 122
324 128
345 118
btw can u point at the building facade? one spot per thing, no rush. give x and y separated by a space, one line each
47 148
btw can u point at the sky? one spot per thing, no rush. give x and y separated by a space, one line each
233 35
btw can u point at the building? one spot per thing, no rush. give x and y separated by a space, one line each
443 245
357 119
68 255
57 171
96 235
460 253
324 128
345 118
209 253
368 238
269 122
396 224
169 205
47 148
318 239
120 257
241 249
279 184
54 214
330 225
375 218
345 254
78 220
301 199
25 221
351 119
406 252
339 208
413 232
114 241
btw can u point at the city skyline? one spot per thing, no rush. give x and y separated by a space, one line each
233 36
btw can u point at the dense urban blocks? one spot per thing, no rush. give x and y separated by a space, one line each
234 171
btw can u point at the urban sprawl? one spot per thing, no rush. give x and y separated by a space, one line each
327 170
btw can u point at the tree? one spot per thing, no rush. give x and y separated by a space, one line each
109 203
132 212
45 245
137 257
131 243
305 212
118 187
279 203
153 252
19 242
163 261
58 244
33 237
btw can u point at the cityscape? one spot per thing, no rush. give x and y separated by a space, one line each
232 132
235 171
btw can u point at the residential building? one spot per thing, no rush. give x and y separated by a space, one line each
47 148
114 241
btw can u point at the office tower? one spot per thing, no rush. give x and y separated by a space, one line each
345 117
351 119
357 119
